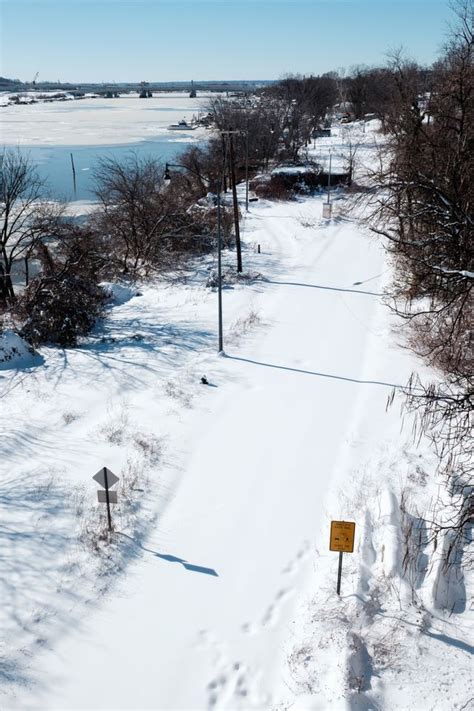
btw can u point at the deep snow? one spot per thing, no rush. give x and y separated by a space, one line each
227 598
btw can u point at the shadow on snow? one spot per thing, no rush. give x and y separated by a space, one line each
315 373
326 288
172 558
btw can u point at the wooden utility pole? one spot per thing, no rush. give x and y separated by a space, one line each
234 199
224 173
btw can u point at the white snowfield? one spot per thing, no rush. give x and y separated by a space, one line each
226 596
99 121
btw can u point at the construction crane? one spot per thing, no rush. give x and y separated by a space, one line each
33 83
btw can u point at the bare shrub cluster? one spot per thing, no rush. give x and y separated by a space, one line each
64 301
422 204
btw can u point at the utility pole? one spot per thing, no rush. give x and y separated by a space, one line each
224 174
219 270
327 207
329 177
219 183
236 205
247 167
247 154
238 246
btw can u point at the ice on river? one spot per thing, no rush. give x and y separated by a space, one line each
98 121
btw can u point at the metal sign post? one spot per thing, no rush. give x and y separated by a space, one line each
341 541
107 498
339 574
106 478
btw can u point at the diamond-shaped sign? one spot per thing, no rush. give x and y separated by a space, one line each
100 477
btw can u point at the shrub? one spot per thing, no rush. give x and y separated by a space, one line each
273 187
64 301
58 309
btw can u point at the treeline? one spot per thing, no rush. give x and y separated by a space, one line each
422 203
275 124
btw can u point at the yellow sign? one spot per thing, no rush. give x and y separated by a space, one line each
342 536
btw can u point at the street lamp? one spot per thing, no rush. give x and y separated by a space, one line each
247 167
167 178
327 207
329 177
247 153
230 133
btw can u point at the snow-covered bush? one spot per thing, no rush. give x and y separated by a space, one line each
119 293
64 301
230 277
15 352
60 309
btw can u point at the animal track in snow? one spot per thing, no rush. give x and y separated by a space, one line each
302 553
229 684
271 613
237 687
207 639
248 628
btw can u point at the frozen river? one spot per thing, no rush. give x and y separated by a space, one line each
54 162
94 128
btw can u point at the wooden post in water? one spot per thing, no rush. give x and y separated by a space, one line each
73 174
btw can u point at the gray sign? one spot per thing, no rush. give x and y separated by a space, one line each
102 497
100 477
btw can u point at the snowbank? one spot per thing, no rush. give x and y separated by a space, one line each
16 352
248 618
119 294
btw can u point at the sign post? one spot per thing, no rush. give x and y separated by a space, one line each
342 541
339 574
107 498
106 478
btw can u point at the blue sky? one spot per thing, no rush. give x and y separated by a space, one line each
165 40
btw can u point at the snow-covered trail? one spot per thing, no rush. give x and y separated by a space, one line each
202 618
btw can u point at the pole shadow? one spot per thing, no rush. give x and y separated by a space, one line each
316 373
173 559
326 288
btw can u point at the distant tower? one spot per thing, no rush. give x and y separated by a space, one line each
192 93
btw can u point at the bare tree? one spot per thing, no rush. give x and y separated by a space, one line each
148 226
357 90
132 209
422 205
351 141
25 218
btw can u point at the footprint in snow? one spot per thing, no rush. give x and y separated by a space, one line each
302 553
